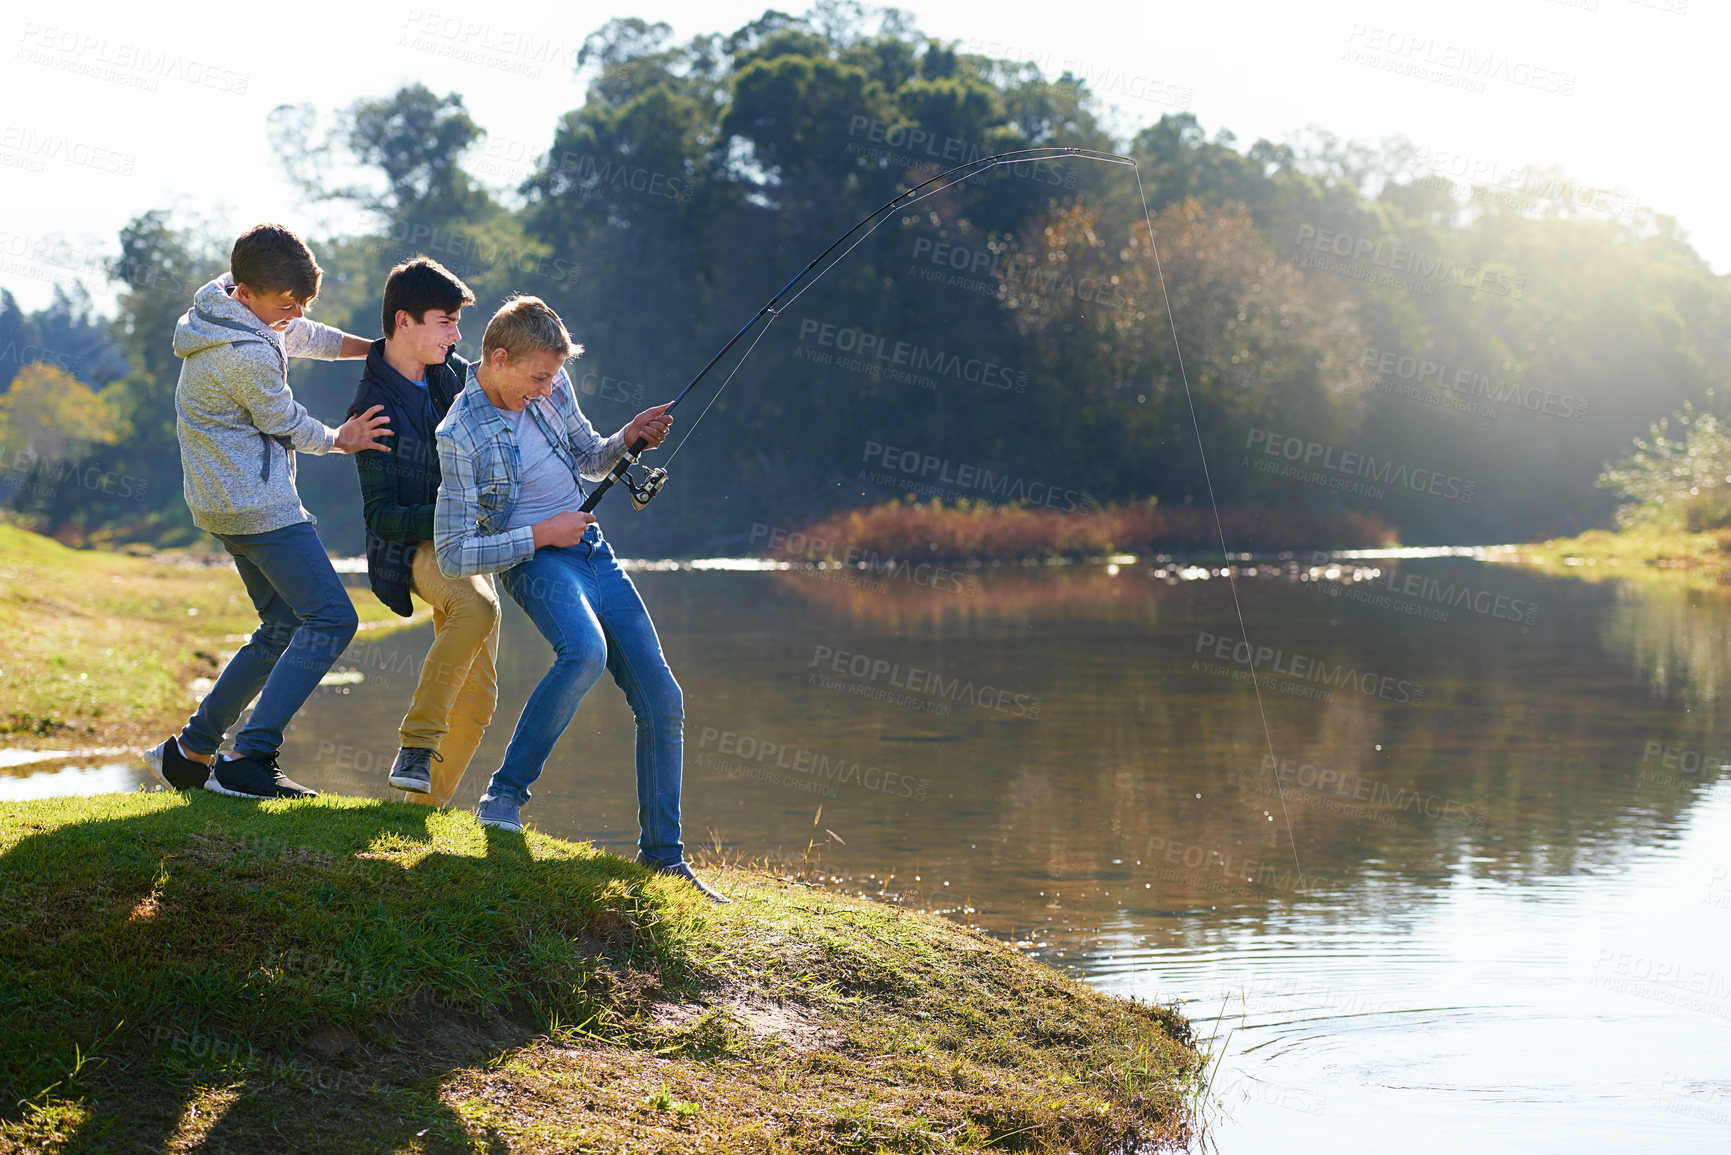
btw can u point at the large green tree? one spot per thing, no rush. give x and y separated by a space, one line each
1021 321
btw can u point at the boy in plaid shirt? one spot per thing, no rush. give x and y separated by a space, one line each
512 450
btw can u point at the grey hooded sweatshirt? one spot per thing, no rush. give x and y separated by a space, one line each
239 423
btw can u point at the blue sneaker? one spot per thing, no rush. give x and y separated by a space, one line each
683 870
499 813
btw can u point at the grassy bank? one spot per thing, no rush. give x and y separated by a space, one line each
341 975
1671 556
99 649
934 531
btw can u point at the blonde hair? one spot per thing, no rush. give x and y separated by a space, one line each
525 325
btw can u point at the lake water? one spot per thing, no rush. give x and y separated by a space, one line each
1456 876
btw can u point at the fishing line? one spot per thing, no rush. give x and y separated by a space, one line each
774 313
876 220
717 396
1231 581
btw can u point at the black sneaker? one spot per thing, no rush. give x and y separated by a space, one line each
683 870
413 769
174 769
254 777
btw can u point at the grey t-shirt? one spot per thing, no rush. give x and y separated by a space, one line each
546 486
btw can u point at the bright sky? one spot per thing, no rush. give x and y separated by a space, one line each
111 109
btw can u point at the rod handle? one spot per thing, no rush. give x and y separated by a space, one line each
625 463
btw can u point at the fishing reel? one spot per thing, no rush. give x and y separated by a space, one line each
642 491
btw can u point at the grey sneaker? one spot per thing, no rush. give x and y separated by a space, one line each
413 769
499 813
683 870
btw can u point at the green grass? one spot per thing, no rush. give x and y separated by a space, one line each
100 648
1650 554
197 972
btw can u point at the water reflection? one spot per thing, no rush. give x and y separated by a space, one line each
1422 861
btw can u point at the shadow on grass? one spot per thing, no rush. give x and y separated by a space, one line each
223 976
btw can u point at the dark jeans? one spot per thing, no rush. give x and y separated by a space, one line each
586 606
305 621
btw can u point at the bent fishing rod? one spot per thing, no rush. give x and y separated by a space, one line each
653 478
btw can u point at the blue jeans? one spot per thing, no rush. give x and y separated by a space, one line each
586 606
305 621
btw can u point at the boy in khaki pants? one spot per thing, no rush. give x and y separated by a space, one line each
414 375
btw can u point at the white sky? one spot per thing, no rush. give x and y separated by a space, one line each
110 109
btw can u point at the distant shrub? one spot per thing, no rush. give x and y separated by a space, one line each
1708 511
1675 483
909 529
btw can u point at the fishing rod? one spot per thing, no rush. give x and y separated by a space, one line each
642 491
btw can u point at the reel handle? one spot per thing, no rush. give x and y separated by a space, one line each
618 474
641 492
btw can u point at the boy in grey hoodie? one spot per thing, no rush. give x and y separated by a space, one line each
239 428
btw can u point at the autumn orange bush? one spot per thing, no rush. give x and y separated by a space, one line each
934 530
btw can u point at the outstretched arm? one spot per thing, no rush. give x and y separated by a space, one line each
306 337
386 517
596 455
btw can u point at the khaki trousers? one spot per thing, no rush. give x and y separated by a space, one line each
454 698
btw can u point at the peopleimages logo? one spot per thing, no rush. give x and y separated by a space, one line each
1007 273
875 354
41 147
1485 603
1469 383
1399 259
594 177
946 476
125 62
921 145
867 561
1358 788
913 679
1454 65
744 752
43 476
28 354
1266 661
1351 464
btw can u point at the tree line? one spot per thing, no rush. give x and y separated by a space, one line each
1318 328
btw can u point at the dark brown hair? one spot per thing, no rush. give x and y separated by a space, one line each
271 258
418 285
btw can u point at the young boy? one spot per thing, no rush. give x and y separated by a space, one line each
239 428
412 376
511 451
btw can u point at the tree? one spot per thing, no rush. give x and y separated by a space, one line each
1677 483
161 266
49 415
49 424
1258 345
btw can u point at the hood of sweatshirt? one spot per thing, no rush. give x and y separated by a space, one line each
218 319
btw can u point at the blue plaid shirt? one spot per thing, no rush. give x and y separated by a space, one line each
481 469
